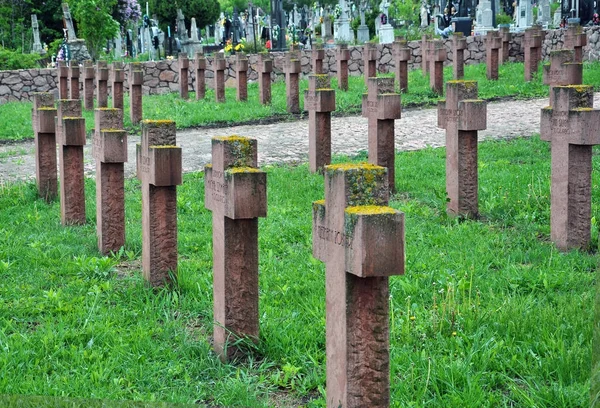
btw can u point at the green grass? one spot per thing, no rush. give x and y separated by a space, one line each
488 313
15 117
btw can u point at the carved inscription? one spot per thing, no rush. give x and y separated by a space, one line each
337 237
216 185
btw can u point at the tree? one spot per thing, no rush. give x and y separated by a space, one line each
204 11
95 23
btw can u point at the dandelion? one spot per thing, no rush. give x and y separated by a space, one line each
412 318
454 334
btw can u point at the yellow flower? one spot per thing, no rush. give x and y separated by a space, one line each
239 47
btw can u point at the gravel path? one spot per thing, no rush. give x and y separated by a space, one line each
287 142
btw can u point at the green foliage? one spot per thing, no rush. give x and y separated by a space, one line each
95 23
407 11
503 18
10 59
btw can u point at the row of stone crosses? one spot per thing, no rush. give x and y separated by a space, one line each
354 215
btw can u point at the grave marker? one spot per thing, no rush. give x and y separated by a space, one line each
184 65
319 101
159 169
425 38
562 70
264 68
43 114
118 77
63 79
200 77
436 55
493 43
532 41
74 79
88 85
462 115
110 152
506 37
382 106
342 55
219 64
571 126
102 84
136 80
292 70
361 240
401 54
459 45
369 61
575 39
317 56
241 66
236 193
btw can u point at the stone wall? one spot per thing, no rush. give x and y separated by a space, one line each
162 77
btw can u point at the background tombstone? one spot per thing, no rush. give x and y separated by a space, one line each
532 41
102 84
236 193
159 168
506 37
342 55
184 65
493 44
319 101
369 61
241 66
462 115
219 64
382 107
436 55
264 68
118 77
575 39
401 54
317 56
544 17
424 45
74 79
562 70
63 79
136 79
346 225
571 126
459 45
200 64
292 68
88 85
70 130
524 14
37 45
363 29
110 152
43 114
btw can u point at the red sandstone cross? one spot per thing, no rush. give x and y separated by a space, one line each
292 70
241 70
200 75
459 44
562 70
362 243
401 54
317 56
136 80
88 85
44 130
219 64
118 77
264 69
102 84
319 101
575 39
572 127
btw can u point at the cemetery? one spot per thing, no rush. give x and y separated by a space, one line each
364 211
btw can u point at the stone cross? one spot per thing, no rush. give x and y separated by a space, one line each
241 67
319 101
436 55
401 54
292 68
102 84
382 106
575 39
68 22
184 65
317 56
424 45
63 79
506 37
37 45
136 80
159 169
493 43
118 77
462 115
369 61
361 240
459 45
110 152
562 70
532 41
43 114
70 131
571 126
219 65
342 55
264 69
74 79
88 85
236 193
200 64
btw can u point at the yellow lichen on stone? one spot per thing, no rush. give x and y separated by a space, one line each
163 147
47 108
243 169
353 166
165 122
370 210
582 109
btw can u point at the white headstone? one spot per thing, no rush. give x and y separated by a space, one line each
424 14
524 14
544 12
118 45
69 22
487 16
37 45
557 17
343 31
219 29
363 29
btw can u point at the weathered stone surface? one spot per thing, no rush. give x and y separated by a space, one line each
44 129
319 101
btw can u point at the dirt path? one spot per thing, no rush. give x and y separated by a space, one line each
287 142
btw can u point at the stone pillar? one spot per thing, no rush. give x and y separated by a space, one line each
317 56
70 130
571 126
110 152
74 79
292 70
459 45
184 65
493 44
506 37
424 45
44 132
118 77
159 168
342 55
200 64
236 193
382 107
436 55
264 68
562 70
63 79
88 85
219 64
319 101
401 54
102 84
462 115
369 61
575 39
532 42
136 80
241 67
346 225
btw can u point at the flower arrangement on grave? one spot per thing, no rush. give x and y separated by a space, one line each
337 11
239 47
228 46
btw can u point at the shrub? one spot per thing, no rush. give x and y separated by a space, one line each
10 59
